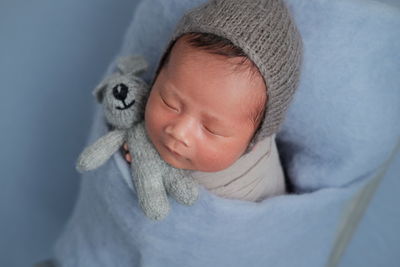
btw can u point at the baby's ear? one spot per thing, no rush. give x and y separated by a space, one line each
134 65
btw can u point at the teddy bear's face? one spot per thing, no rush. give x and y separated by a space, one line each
124 100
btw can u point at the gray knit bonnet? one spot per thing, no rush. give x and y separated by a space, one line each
267 34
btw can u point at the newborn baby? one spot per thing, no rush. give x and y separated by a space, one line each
221 92
204 109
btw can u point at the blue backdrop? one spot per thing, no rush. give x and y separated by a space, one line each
52 53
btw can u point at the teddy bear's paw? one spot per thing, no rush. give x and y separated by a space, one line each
155 209
182 188
87 161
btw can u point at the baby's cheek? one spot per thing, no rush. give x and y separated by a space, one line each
215 158
153 123
154 115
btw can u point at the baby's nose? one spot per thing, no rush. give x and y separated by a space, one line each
120 91
181 130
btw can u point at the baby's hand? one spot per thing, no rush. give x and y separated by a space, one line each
125 151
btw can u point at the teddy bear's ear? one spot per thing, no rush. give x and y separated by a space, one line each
132 64
98 92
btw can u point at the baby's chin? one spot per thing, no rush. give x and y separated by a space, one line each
181 162
215 165
179 165
189 166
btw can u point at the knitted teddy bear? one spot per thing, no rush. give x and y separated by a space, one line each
123 95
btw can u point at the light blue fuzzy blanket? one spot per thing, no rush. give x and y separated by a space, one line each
339 132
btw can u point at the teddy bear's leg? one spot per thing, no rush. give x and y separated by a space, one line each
181 186
150 190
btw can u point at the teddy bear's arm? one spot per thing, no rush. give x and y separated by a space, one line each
98 153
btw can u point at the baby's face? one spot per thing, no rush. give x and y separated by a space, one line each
198 112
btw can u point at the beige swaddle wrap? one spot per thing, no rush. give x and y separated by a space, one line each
253 177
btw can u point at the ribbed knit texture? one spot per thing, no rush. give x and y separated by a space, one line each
266 32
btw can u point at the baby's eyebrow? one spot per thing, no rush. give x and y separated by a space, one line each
211 117
170 90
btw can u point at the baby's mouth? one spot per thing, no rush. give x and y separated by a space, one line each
174 153
125 105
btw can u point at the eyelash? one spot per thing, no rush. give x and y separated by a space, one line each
208 130
169 106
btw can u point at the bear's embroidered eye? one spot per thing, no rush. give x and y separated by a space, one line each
120 91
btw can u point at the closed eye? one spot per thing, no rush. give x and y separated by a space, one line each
211 131
168 105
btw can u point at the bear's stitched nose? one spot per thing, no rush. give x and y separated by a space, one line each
120 91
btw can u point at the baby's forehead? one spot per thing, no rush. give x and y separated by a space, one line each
235 90
229 56
196 62
234 65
